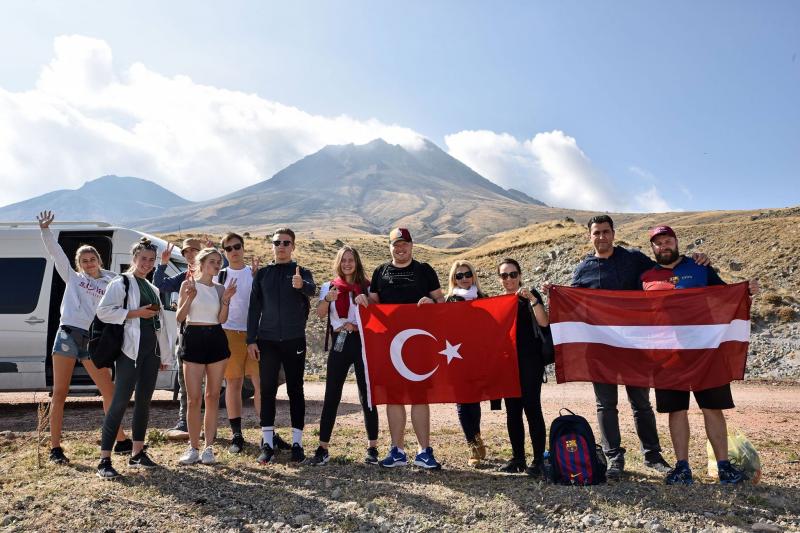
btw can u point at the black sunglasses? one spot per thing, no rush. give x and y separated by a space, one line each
278 243
506 275
462 275
232 247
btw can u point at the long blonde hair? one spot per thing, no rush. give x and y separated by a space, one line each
86 249
451 279
200 260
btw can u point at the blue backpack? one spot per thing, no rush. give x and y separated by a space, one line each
575 457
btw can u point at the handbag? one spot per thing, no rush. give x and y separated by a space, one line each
105 340
544 334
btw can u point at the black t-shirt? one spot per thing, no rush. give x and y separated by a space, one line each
528 343
405 285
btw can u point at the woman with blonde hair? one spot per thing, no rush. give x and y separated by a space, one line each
463 285
146 349
85 285
336 304
204 306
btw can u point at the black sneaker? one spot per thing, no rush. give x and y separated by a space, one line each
321 457
267 454
535 469
105 470
141 460
616 466
514 466
372 456
657 462
237 443
57 456
123 447
279 444
298 455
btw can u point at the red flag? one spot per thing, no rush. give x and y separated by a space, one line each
691 339
459 352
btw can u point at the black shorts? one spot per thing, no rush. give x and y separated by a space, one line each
204 344
671 401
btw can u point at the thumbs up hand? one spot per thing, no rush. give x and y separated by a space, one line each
297 280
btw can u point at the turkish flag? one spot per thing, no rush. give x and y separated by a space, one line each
460 352
687 339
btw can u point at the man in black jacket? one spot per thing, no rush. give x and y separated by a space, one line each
276 335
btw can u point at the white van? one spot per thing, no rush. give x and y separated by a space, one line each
31 291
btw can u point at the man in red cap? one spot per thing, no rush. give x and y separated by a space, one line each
676 271
404 280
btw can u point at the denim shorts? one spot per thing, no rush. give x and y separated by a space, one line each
72 342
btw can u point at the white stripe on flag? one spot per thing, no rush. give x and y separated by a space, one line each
652 337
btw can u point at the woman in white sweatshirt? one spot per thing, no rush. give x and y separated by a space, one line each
146 348
83 291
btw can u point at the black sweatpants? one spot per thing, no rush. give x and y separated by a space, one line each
141 377
338 367
292 355
469 414
530 378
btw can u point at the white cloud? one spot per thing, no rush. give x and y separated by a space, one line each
83 120
551 167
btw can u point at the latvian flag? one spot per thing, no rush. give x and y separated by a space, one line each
686 339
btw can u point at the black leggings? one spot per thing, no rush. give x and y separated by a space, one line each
292 355
338 367
130 376
469 414
530 377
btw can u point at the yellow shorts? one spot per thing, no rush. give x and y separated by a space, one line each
239 365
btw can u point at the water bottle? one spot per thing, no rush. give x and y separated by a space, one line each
338 346
547 466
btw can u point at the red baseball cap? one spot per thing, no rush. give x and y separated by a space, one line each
655 231
399 234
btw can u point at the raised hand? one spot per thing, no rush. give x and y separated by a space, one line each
297 280
45 218
425 300
167 253
230 290
207 242
333 294
524 293
255 264
362 299
188 287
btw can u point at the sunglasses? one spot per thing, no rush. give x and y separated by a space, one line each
461 275
232 247
278 243
506 275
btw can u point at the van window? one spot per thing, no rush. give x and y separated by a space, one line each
20 284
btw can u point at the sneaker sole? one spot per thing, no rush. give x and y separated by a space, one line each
320 463
427 466
139 465
107 478
394 464
371 461
188 463
209 463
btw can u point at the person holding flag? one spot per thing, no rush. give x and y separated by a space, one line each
403 280
676 271
276 335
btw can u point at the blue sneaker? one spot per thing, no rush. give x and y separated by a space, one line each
680 475
425 459
729 474
395 458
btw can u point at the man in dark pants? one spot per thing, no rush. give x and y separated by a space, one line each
617 268
276 335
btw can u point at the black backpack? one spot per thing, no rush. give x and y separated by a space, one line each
105 340
575 457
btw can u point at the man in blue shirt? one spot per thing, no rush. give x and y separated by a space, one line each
617 268
676 271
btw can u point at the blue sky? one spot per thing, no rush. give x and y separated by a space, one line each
604 105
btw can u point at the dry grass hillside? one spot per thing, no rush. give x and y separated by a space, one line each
742 245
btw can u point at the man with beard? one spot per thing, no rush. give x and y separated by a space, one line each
676 271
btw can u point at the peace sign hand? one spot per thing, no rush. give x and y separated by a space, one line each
167 253
255 264
45 218
230 290
297 279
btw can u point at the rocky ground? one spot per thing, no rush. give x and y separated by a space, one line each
346 495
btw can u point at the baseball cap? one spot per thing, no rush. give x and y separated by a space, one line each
399 234
191 243
661 230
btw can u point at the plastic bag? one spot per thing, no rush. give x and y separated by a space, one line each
742 454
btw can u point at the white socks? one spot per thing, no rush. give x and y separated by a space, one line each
268 434
297 436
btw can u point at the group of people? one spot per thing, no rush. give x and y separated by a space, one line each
238 320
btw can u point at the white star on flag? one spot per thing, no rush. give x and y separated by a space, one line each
451 351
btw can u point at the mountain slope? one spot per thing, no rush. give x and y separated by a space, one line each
109 198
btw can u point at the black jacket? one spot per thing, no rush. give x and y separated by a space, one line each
277 310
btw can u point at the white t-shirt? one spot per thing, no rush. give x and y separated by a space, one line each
336 322
237 310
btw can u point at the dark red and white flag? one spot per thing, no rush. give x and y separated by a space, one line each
689 339
459 352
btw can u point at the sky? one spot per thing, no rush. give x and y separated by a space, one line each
607 106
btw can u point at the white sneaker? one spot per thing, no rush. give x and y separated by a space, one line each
208 456
191 456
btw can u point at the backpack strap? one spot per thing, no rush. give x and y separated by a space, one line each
127 284
565 409
222 275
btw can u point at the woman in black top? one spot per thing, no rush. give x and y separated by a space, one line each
531 371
